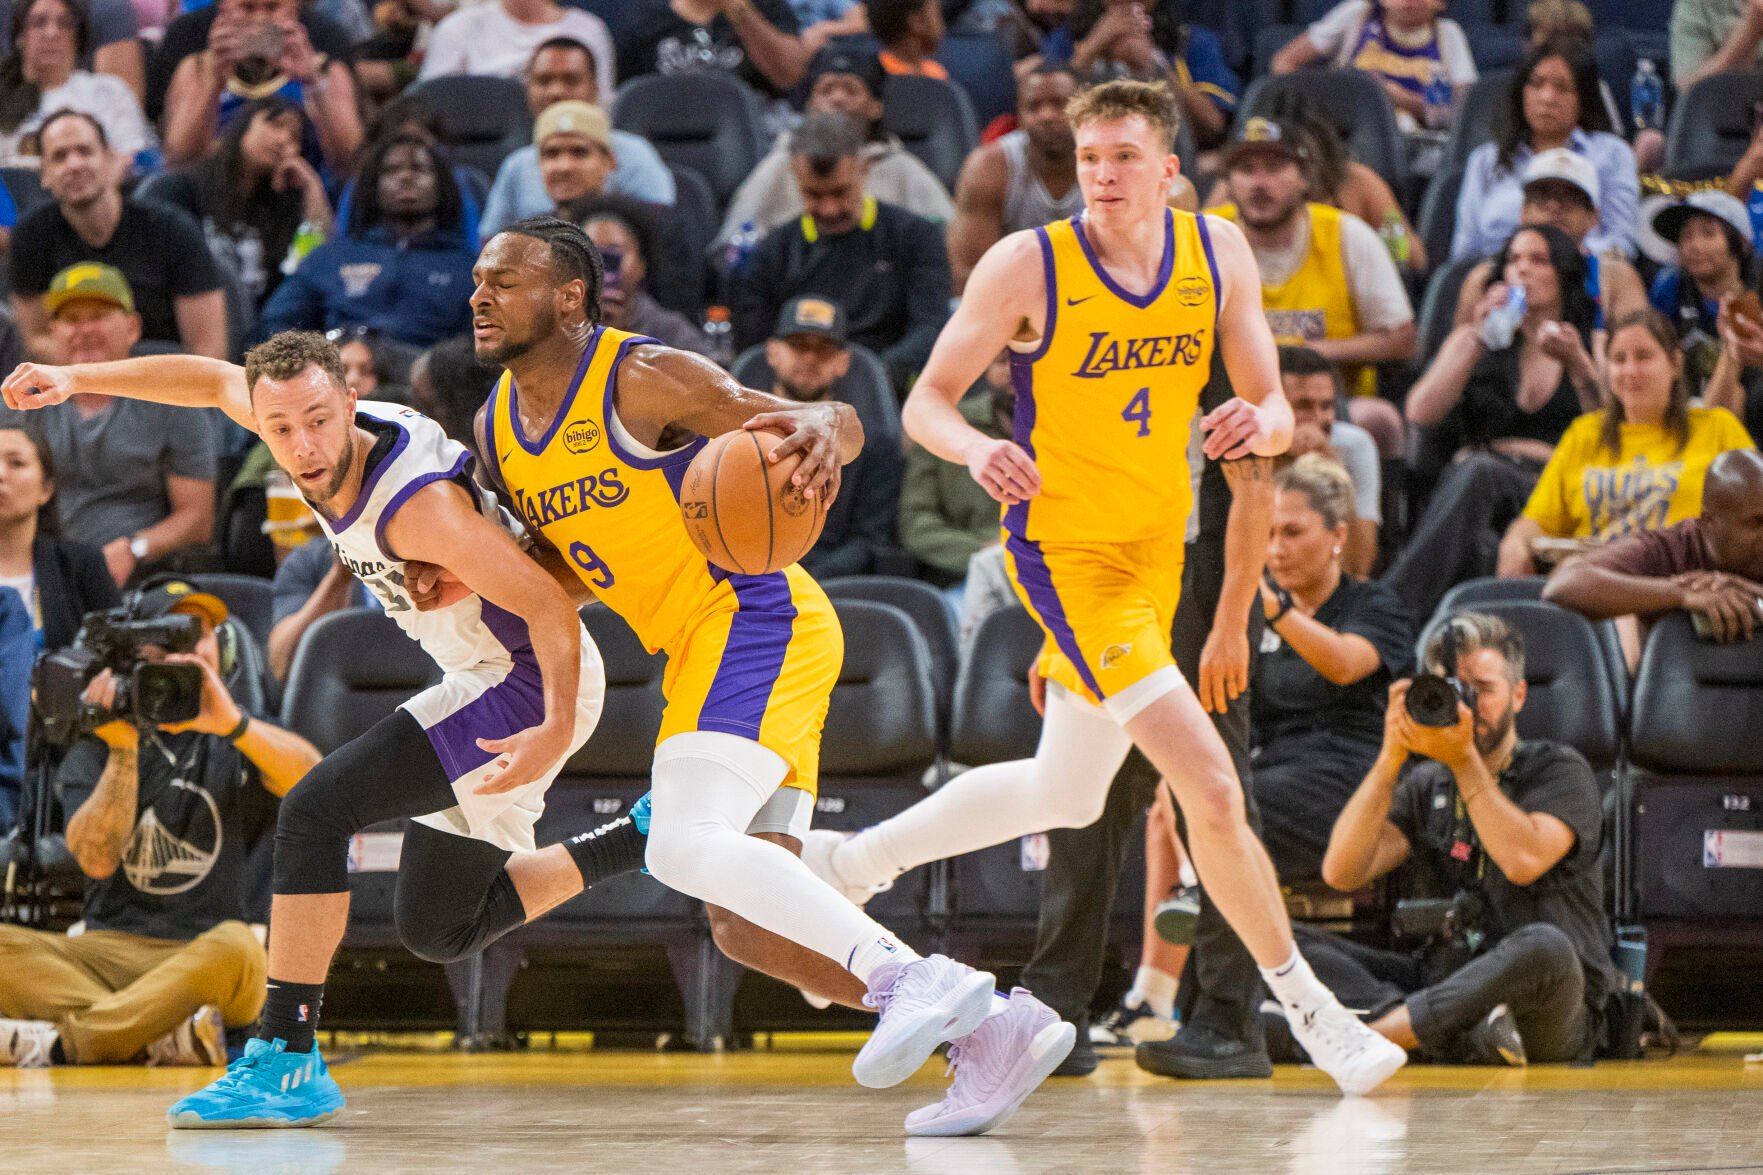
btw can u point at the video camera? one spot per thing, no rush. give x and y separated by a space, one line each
1432 697
146 693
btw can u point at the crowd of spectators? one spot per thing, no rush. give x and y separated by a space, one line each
1577 394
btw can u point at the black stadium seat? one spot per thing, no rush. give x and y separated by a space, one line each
1438 310
679 273
1472 593
352 668
475 113
929 612
249 598
1474 124
935 120
708 122
1358 107
1437 221
1711 125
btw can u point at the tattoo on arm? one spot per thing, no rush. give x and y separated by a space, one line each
1247 469
100 830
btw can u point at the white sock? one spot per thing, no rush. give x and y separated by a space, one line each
1295 986
1155 989
707 789
1063 786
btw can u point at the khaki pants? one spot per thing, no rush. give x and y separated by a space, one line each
111 993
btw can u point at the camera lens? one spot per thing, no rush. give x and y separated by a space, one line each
167 693
1432 700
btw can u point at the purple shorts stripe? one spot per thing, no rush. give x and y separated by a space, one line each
1037 581
758 640
510 706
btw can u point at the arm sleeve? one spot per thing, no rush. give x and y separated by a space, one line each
1331 34
1454 52
189 452
193 270
1378 614
927 299
1380 300
1729 433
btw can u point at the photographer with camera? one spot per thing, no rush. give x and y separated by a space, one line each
1503 835
161 817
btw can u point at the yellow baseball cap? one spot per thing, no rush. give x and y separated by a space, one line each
89 280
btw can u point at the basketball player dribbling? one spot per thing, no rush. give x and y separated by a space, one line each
588 436
1111 319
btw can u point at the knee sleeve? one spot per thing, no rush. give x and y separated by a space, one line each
1081 749
312 833
454 896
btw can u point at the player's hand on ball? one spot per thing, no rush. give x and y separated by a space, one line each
36 385
1003 470
1233 430
524 757
432 587
814 433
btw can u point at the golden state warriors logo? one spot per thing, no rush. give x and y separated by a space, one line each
1192 291
581 436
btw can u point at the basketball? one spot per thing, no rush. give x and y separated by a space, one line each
741 510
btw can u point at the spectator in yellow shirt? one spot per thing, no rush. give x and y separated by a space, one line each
1636 465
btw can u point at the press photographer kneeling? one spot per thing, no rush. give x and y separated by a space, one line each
1503 834
161 819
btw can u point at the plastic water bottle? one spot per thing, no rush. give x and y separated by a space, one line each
1500 327
1439 99
719 335
1646 97
1395 237
740 247
306 238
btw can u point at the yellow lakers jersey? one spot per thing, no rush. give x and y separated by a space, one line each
1105 401
609 506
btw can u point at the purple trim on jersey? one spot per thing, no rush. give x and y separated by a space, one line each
1373 32
508 707
1050 274
1037 582
681 456
758 639
405 493
1022 378
372 479
1164 267
1211 266
537 448
494 456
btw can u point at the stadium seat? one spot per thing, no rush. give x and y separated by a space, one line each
1491 589
679 274
351 669
1438 310
1359 108
1710 126
930 616
244 548
1494 46
980 64
1644 16
1438 216
935 120
866 388
708 122
475 113
1475 120
1269 40
248 597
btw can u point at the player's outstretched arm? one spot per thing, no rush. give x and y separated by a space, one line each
1003 300
662 389
1258 421
439 525
185 381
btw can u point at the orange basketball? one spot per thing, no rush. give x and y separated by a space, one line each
741 509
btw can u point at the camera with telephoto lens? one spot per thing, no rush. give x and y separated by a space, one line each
1437 919
147 694
1432 697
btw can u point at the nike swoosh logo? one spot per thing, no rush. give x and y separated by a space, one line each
1078 301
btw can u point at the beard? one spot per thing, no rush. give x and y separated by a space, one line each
800 393
338 475
510 348
1488 740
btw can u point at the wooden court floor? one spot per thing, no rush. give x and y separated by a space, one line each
793 1109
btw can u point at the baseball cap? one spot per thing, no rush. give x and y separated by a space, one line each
1566 166
1266 134
1668 220
574 117
91 280
179 595
866 67
810 315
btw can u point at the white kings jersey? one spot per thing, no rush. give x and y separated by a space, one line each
413 451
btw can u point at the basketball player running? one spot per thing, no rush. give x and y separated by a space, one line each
589 434
469 758
1111 318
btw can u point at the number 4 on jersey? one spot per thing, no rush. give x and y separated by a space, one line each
1138 411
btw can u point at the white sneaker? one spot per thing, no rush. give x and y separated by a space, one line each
200 1040
1340 1045
817 854
27 1044
922 1004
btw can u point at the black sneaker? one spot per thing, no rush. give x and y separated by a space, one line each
1082 1060
1129 1025
1495 1041
1198 1053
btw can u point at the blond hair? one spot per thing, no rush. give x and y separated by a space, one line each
1151 101
1325 484
1558 17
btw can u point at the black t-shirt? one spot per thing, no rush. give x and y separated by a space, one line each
1290 696
159 249
661 41
1542 777
251 236
201 807
1489 409
188 34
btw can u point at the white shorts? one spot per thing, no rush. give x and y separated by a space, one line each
493 703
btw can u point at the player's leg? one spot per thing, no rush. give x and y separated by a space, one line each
1167 722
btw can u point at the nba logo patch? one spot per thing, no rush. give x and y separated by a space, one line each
1036 851
303 1013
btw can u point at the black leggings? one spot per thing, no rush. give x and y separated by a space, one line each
454 896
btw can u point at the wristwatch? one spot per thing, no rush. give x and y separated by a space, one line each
138 547
1285 601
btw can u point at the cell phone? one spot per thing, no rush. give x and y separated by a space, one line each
612 266
1748 307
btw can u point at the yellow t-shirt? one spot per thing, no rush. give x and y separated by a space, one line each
1586 492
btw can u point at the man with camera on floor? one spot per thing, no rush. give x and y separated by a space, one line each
1501 836
161 817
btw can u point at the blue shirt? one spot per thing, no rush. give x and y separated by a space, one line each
1490 200
519 192
1205 66
418 293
